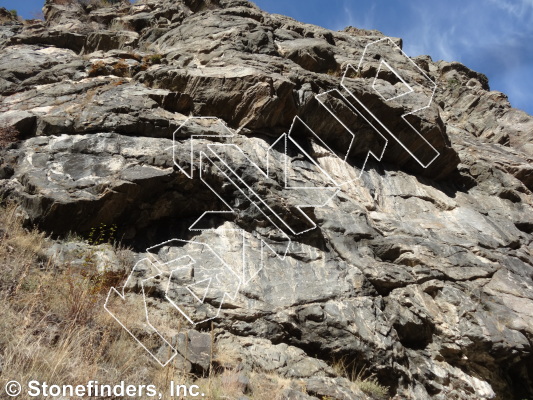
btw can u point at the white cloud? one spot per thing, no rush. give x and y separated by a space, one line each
493 37
353 16
521 9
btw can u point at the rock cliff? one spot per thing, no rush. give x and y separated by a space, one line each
421 273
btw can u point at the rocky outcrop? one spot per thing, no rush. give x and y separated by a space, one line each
422 277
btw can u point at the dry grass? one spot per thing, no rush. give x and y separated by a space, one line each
99 68
232 384
361 379
223 386
8 135
52 323
268 386
53 328
119 25
121 69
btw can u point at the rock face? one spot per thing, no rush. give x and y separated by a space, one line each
420 272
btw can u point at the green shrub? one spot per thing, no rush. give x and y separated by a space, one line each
103 234
453 83
156 58
373 388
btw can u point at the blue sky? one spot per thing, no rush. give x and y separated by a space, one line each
490 36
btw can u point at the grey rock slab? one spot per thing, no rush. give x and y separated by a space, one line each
58 172
262 355
24 65
103 257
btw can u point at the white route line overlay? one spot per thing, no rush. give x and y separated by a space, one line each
417 68
241 277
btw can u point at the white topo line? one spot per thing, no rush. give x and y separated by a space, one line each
214 156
